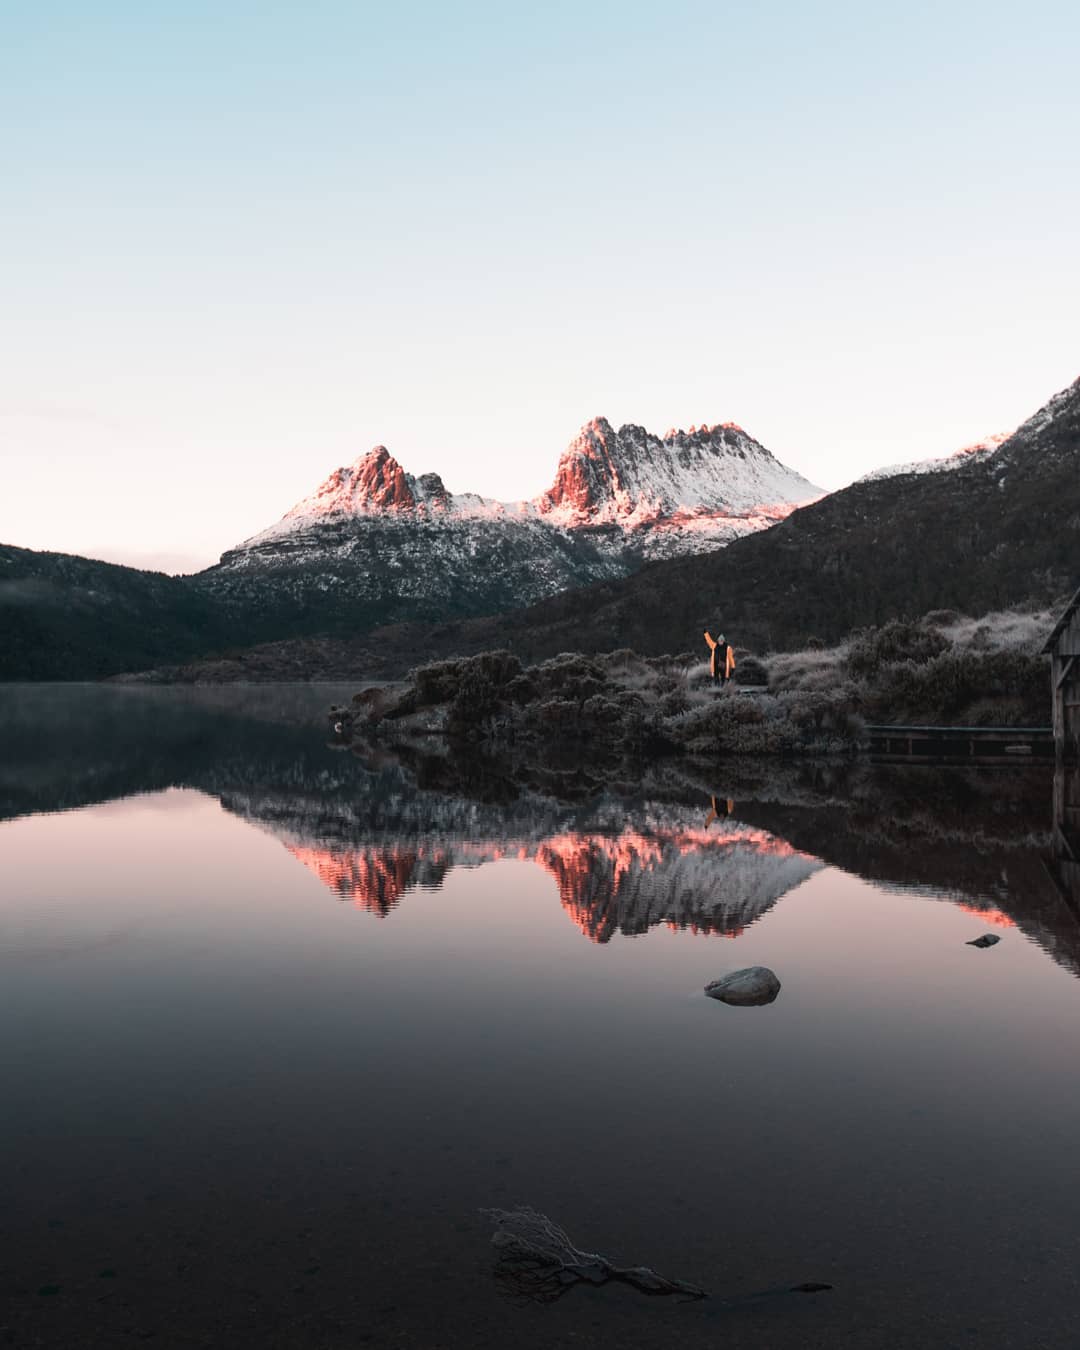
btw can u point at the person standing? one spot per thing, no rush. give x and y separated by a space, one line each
721 660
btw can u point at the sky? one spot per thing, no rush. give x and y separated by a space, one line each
240 243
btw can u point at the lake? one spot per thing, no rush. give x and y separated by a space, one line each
280 1020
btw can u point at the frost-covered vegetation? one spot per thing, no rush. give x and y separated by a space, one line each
943 670
946 669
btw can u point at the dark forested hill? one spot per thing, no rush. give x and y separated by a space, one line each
70 618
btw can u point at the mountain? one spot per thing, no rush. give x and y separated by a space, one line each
375 544
411 572
1001 529
70 618
671 495
979 450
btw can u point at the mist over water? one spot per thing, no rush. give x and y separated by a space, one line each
279 1020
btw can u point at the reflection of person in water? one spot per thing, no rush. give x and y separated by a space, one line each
721 659
718 813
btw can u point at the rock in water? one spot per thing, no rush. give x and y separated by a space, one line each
745 988
987 940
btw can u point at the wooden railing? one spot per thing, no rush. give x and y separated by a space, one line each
1004 744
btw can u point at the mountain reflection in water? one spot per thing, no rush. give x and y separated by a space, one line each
625 883
628 851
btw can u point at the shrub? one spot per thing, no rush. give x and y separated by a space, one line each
957 684
623 656
822 669
569 676
442 681
750 670
872 648
473 686
735 724
436 683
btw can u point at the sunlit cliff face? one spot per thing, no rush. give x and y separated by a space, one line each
714 881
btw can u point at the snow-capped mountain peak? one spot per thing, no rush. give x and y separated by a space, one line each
634 478
393 546
678 493
374 483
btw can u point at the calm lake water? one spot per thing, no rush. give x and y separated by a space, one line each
278 1022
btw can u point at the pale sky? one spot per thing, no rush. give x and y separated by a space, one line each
242 243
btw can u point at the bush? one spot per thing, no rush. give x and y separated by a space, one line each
568 676
957 685
734 724
873 648
749 670
436 683
442 681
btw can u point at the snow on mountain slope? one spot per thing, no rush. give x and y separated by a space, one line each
632 478
689 489
375 545
377 486
969 454
1053 426
1050 435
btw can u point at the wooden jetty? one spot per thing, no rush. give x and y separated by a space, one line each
1002 745
1063 648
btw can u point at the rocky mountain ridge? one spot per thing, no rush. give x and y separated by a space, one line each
716 476
375 545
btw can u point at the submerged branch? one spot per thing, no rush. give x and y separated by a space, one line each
537 1261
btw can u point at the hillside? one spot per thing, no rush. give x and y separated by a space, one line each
69 618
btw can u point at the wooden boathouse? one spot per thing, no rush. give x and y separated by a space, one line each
1063 648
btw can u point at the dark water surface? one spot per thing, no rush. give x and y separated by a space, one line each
277 1021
